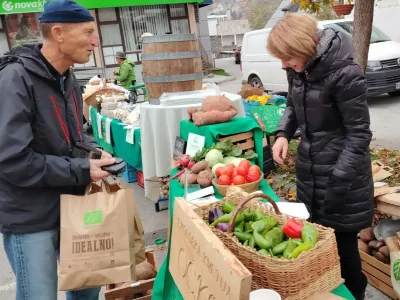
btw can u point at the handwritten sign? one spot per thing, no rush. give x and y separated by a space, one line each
202 267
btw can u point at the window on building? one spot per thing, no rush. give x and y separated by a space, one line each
23 29
154 19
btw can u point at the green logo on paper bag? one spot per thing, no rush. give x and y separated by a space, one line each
93 218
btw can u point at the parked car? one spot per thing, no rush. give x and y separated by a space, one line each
237 55
260 69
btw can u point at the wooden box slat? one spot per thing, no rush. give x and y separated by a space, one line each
124 291
378 274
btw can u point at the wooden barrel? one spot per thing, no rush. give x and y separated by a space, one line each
171 63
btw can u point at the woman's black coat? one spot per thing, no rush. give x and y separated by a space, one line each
328 104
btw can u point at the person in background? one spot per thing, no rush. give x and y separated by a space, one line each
126 74
40 123
327 101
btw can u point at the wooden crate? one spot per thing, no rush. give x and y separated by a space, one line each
245 140
127 290
378 274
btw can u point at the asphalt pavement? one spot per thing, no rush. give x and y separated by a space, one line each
384 112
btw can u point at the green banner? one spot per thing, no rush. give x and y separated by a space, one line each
27 6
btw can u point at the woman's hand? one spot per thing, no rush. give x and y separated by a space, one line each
280 150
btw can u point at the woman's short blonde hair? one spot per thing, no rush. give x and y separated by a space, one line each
293 36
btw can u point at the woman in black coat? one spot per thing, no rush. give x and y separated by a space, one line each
327 102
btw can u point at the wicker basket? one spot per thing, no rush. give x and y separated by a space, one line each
317 270
90 96
248 187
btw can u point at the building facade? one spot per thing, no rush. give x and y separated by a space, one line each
120 23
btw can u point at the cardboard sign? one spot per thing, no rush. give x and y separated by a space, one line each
179 148
195 144
202 267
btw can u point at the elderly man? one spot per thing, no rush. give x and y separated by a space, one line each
40 122
126 74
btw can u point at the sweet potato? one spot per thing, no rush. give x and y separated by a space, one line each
367 234
214 110
379 256
192 178
204 178
200 166
145 271
363 246
385 251
374 244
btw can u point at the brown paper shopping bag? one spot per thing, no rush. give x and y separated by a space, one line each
97 237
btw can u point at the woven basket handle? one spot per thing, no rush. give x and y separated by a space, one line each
244 201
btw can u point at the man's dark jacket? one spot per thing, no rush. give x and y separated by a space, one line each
39 125
328 104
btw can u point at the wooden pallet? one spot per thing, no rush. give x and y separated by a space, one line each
128 290
244 140
378 274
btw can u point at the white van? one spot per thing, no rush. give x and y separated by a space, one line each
261 69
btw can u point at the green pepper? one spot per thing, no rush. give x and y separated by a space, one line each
228 207
274 237
259 225
251 242
260 241
270 223
226 218
264 252
246 243
280 248
298 242
240 227
309 234
247 227
289 249
242 236
258 215
270 252
248 214
300 249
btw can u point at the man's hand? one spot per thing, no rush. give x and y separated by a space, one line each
280 150
96 173
105 155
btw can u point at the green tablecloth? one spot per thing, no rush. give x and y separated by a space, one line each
164 287
131 153
235 126
101 141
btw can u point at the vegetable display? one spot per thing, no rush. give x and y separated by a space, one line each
237 175
368 243
263 233
198 172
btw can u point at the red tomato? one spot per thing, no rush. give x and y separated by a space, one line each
218 172
252 176
238 180
245 163
242 170
227 171
224 180
231 167
235 173
255 168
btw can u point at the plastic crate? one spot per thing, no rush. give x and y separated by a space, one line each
129 174
249 105
162 204
140 178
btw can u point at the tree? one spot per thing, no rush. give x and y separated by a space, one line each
260 11
362 28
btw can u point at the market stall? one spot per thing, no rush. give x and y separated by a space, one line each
165 287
